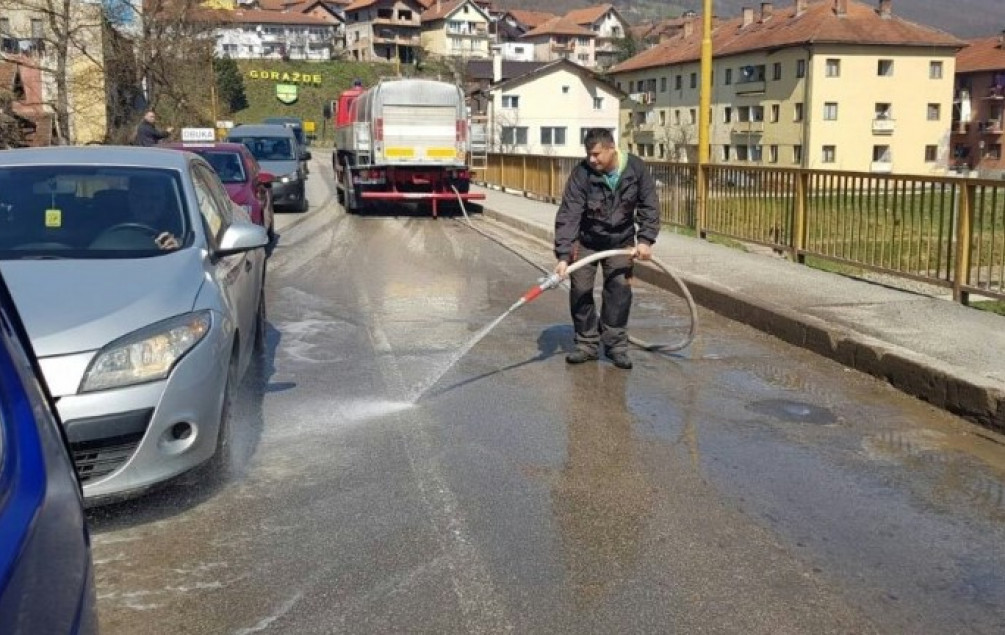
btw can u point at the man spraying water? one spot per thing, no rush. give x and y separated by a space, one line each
610 202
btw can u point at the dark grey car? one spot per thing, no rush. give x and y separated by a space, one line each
277 151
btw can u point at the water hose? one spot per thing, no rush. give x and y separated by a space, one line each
553 281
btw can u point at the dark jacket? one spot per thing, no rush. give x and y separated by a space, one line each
600 219
148 135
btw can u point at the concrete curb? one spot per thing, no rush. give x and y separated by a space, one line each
957 390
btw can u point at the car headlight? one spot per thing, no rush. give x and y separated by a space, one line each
146 355
293 177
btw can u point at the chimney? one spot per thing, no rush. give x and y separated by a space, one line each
885 8
767 10
1001 40
840 7
496 65
800 7
748 17
688 28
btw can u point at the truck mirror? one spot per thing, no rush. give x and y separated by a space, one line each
326 110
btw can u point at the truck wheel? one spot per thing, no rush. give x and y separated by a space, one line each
349 200
339 189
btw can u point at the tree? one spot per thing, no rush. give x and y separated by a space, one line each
230 84
627 47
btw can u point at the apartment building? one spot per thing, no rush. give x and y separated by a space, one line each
835 84
548 110
28 41
456 28
979 108
561 39
384 30
262 34
609 26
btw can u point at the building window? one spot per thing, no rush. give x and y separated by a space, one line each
676 117
757 153
934 112
663 151
677 82
663 84
931 154
935 70
741 153
583 57
598 103
551 136
775 112
651 85
832 67
830 154
995 151
773 154
514 135
885 68
692 116
727 114
883 111
663 117
776 71
830 111
797 154
729 76
511 101
798 114
725 153
565 90
881 154
694 80
800 69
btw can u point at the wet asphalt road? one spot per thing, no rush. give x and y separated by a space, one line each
743 486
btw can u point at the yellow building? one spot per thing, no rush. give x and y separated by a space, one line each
835 84
456 28
30 38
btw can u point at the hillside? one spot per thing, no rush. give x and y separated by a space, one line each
963 18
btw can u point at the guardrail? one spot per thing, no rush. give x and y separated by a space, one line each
945 231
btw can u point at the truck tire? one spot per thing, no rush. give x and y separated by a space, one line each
349 201
339 191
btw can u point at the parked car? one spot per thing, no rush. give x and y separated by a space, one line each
46 577
276 150
141 284
246 183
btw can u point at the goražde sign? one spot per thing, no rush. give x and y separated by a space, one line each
286 77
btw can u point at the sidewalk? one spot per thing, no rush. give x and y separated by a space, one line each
944 353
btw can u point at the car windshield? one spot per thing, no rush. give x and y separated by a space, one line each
72 211
227 164
267 148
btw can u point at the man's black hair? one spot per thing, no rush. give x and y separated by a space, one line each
594 136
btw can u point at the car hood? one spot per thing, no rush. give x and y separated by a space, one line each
70 306
280 168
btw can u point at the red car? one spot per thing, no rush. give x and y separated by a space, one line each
246 183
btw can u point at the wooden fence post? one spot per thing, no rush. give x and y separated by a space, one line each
798 240
964 246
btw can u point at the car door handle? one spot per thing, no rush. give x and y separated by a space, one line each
247 264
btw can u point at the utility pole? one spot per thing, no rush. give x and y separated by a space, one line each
704 105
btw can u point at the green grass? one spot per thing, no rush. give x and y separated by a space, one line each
992 306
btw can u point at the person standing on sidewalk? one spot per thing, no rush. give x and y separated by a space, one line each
609 202
147 133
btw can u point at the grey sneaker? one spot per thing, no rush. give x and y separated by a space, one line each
579 356
620 359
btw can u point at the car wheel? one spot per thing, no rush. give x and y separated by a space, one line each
303 205
223 459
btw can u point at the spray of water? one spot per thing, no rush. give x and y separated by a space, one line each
461 352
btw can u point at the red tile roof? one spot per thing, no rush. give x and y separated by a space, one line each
817 25
282 5
531 19
983 54
559 26
438 10
261 16
588 15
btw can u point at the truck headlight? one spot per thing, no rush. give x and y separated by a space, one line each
146 355
293 177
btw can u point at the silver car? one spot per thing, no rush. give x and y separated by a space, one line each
141 286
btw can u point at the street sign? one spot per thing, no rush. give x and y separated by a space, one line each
198 134
309 127
225 124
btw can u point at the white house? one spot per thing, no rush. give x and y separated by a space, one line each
516 51
548 111
259 34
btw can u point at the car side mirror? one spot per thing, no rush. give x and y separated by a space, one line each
266 178
305 155
240 237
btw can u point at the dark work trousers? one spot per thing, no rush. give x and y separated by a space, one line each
616 302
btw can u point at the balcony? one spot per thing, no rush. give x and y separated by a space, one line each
476 32
567 47
995 93
883 126
961 127
400 40
751 86
747 127
881 167
413 22
990 127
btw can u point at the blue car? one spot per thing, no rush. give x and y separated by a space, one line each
46 577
